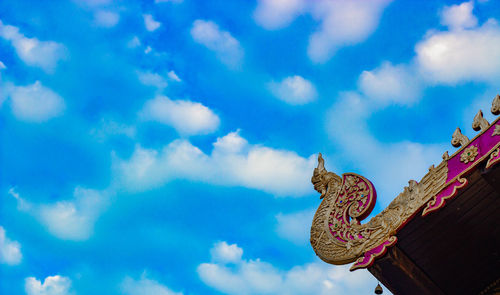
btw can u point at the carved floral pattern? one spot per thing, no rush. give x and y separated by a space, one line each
496 131
469 154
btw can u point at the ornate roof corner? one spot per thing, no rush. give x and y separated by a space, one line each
337 234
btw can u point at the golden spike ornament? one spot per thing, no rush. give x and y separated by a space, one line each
458 139
323 180
479 122
495 106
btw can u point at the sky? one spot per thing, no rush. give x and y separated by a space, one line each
166 146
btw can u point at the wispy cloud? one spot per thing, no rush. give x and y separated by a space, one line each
10 251
42 54
187 117
451 57
35 102
347 124
150 23
226 47
71 219
233 161
241 276
460 16
53 285
340 23
144 286
294 90
152 79
106 18
274 14
391 84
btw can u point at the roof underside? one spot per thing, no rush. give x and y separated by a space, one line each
456 251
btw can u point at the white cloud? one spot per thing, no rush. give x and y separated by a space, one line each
22 205
2 66
145 286
296 226
340 23
173 76
232 162
294 90
451 57
276 14
462 54
10 251
72 219
222 252
391 84
35 103
152 79
459 16
226 47
232 143
75 219
53 285
188 118
42 54
150 23
259 277
105 18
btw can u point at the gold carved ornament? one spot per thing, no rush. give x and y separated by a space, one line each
337 236
469 154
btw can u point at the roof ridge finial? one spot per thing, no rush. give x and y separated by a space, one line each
480 123
458 139
495 105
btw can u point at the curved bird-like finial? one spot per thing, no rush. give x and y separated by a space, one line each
458 139
495 105
479 122
324 180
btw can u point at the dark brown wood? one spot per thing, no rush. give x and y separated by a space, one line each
455 250
401 276
493 179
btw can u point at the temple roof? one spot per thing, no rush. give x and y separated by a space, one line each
439 236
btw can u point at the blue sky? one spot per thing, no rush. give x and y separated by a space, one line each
166 147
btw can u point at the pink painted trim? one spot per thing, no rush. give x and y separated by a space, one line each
440 199
370 255
485 142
